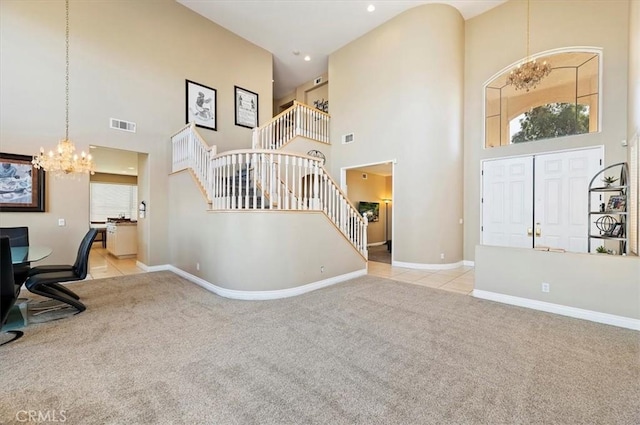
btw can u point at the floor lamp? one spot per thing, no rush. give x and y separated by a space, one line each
386 223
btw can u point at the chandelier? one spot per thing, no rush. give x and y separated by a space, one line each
64 161
528 74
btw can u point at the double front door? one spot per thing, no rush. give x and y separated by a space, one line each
539 200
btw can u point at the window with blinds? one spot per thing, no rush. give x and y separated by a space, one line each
109 200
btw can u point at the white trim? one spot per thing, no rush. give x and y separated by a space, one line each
266 295
376 243
146 268
468 263
422 266
578 313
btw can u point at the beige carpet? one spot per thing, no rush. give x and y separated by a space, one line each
156 349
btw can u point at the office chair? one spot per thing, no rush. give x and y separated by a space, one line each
9 290
45 280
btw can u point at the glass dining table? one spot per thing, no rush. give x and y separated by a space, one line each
28 254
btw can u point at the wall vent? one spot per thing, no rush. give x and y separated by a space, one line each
317 81
347 138
123 125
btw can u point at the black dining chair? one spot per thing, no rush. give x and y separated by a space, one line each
46 280
18 236
9 290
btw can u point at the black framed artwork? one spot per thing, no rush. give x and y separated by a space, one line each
246 107
21 184
201 105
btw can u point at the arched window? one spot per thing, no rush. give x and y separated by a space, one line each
563 104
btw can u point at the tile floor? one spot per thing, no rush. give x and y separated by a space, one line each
102 264
458 280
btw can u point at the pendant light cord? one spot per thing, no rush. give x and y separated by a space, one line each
66 88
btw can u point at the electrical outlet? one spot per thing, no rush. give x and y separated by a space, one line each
442 256
545 287
198 266
61 222
321 269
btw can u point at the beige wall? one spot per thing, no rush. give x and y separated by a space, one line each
497 38
235 251
633 125
399 89
372 189
306 93
129 60
603 283
113 178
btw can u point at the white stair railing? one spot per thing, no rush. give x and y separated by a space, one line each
265 179
298 120
189 150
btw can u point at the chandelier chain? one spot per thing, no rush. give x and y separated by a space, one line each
66 78
64 161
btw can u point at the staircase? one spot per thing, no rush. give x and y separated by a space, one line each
268 178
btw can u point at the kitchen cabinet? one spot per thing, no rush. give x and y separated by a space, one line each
122 239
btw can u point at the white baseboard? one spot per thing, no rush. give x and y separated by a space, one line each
376 243
146 268
266 295
469 263
422 266
578 313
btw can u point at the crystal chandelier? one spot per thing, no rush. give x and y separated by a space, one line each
64 161
528 75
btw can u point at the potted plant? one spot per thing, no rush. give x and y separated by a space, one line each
601 250
608 180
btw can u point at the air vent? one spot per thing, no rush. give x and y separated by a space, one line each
123 125
317 81
347 138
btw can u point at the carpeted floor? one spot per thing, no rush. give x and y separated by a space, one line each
156 349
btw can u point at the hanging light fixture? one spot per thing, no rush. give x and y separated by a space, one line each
528 74
64 161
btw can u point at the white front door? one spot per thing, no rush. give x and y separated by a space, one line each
561 198
559 183
507 202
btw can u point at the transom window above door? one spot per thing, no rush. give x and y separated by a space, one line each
564 103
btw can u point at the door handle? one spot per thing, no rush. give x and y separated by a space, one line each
529 231
538 230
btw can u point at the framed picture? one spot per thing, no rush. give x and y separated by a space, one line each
201 105
616 232
370 209
246 107
617 203
21 184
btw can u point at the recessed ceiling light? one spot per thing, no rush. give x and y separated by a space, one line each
307 58
371 8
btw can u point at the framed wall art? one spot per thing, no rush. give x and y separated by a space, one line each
21 184
201 105
246 107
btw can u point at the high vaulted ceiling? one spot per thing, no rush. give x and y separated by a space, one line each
310 27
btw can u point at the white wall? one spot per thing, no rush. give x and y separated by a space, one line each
497 39
399 89
129 60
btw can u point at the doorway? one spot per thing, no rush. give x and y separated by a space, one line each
369 188
539 201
